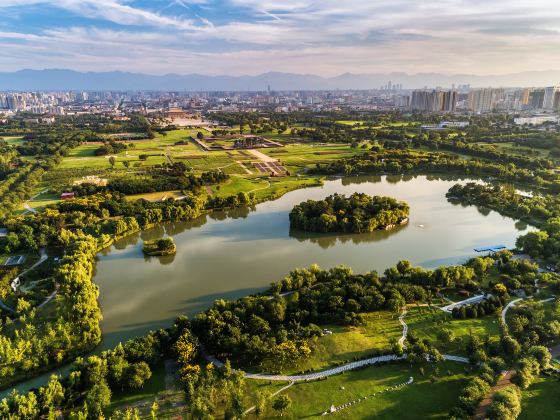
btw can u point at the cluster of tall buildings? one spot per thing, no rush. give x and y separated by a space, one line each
484 100
541 99
434 101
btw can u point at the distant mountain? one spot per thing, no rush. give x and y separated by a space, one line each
56 79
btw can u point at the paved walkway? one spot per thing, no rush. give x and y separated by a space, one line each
261 156
405 328
469 301
42 259
271 395
28 207
340 369
513 303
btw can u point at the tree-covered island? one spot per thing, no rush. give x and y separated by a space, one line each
356 214
160 247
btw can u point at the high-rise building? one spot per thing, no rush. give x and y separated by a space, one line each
434 101
549 95
484 100
536 98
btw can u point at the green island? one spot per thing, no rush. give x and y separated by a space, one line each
478 338
356 213
160 247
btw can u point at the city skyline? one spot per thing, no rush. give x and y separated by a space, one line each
237 37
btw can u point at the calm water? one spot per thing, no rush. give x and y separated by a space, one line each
229 255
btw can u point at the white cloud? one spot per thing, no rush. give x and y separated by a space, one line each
319 36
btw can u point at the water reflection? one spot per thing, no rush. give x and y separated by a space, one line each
327 240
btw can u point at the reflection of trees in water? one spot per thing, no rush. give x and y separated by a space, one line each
485 211
361 179
521 225
131 239
176 227
328 240
163 260
396 178
235 213
153 233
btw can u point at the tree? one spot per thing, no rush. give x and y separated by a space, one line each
199 135
506 404
542 355
98 397
154 410
112 161
51 395
137 374
446 335
281 404
261 402
126 163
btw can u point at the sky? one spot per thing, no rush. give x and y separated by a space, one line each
323 37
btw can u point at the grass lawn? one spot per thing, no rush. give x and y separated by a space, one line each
155 196
265 188
540 401
420 400
349 343
151 389
424 322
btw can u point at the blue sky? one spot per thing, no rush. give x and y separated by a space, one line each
325 37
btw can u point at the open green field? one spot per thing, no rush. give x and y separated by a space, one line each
264 188
13 140
420 400
424 322
347 343
517 150
540 401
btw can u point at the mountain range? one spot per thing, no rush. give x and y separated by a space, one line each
60 79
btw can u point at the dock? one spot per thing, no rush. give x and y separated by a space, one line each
494 248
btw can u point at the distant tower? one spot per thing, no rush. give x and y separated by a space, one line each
268 89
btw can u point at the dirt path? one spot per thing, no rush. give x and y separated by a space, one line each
502 383
261 156
30 209
271 395
247 171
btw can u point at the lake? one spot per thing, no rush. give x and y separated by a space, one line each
231 254
238 252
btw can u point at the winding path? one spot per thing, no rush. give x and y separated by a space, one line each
514 302
42 259
340 369
405 328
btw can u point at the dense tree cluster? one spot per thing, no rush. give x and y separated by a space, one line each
111 148
486 307
88 388
28 348
356 213
274 330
